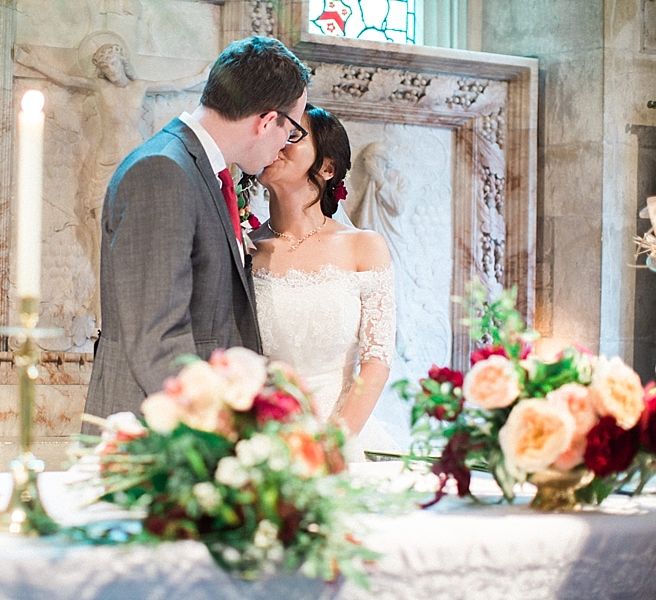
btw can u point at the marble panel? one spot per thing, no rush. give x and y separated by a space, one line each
57 412
573 179
573 97
51 450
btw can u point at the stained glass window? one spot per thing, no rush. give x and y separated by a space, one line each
380 20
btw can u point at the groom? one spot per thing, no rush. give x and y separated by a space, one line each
174 276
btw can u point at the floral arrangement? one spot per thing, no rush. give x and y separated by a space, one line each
231 453
522 417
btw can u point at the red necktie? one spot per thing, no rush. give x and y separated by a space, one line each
228 190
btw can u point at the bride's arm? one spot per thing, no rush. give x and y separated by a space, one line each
377 331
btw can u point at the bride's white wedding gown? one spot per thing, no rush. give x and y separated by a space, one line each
323 323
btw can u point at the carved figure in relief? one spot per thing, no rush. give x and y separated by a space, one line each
119 98
380 204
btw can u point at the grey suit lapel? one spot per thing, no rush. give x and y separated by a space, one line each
195 148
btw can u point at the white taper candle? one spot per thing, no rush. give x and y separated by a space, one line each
30 186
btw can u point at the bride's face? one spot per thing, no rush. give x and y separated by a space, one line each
291 167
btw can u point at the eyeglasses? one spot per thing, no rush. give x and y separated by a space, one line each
296 134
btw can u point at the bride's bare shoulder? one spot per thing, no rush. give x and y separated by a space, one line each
370 249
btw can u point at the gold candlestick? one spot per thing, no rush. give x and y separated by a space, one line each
25 514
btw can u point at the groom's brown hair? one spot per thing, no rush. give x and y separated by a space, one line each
253 76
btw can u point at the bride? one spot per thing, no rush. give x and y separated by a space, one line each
324 291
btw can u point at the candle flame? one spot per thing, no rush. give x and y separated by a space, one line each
32 101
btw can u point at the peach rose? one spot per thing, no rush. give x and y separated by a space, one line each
617 392
577 399
200 396
162 413
536 433
573 456
492 383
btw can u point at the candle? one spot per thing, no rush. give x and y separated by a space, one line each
30 183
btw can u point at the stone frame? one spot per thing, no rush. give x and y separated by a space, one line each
489 101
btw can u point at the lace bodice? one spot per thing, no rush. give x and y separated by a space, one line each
324 322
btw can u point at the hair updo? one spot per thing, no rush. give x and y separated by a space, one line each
330 142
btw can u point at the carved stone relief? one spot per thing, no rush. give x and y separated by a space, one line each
474 109
263 17
111 101
467 93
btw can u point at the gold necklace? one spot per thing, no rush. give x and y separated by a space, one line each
294 241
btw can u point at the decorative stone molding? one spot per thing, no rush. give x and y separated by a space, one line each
490 104
466 94
263 17
493 187
492 127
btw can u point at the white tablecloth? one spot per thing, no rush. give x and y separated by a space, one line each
457 550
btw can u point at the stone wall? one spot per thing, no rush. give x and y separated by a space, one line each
597 64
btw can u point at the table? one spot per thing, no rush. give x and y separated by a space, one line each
456 550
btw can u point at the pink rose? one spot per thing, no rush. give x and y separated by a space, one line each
492 383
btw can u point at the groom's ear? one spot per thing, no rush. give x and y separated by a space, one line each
327 169
265 120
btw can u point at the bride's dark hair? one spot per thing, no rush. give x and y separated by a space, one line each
330 142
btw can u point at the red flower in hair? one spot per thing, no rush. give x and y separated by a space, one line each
340 191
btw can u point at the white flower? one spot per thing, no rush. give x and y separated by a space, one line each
230 555
230 472
125 423
207 495
161 412
254 450
266 534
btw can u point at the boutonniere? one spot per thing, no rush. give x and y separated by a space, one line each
245 189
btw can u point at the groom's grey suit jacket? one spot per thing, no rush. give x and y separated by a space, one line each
172 280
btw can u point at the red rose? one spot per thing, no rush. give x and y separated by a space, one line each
446 375
486 352
253 221
610 448
648 419
276 406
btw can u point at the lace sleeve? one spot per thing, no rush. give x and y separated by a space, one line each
378 316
